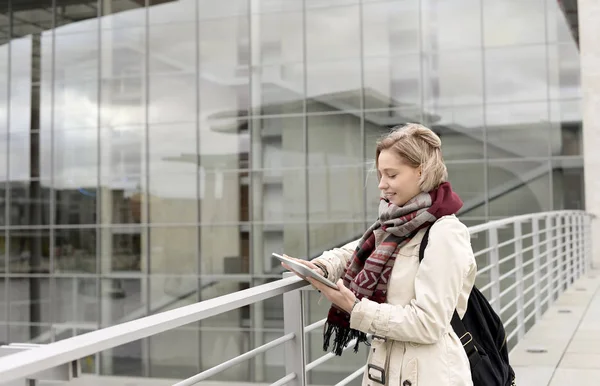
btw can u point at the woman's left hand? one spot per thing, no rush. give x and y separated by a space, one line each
343 298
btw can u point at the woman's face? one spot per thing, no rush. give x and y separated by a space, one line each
399 182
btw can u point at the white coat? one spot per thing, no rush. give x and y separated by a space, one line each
413 341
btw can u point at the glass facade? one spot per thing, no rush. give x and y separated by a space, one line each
153 153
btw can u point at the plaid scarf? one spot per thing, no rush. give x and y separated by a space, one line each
369 270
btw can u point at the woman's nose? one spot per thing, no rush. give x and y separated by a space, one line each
382 184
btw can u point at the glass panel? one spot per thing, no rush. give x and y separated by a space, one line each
75 301
30 306
324 46
122 65
126 247
518 187
557 26
461 131
568 184
566 128
78 17
281 37
29 250
389 28
75 250
29 203
174 250
21 76
392 82
333 86
513 22
450 25
335 176
516 74
518 130
75 72
564 71
468 181
281 90
224 42
453 78
225 249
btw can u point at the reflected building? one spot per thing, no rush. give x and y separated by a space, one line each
153 153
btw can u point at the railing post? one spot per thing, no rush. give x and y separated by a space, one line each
518 232
537 275
569 251
549 258
293 322
559 256
495 270
579 231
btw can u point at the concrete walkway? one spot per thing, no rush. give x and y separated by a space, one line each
566 341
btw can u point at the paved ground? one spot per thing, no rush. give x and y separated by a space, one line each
569 333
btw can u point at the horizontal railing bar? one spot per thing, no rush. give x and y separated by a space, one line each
351 377
285 380
529 302
235 361
521 218
507 258
482 251
315 325
513 317
324 358
13 367
487 286
509 304
507 274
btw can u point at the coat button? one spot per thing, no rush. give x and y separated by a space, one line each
407 383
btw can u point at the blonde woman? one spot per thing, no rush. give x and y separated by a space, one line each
384 290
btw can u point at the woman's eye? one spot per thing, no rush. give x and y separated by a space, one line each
392 176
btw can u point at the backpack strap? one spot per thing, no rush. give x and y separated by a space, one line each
457 325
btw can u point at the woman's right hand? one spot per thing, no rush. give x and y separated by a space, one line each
303 262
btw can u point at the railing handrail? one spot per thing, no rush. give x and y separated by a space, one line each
19 365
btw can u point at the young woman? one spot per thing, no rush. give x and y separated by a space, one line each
384 290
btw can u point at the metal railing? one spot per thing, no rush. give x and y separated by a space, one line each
525 263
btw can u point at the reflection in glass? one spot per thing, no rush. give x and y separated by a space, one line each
75 250
519 130
515 74
513 22
518 187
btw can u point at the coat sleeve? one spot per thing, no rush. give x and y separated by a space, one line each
335 260
438 283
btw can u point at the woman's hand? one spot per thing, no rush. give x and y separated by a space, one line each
343 297
303 262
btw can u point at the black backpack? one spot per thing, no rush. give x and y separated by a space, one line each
482 334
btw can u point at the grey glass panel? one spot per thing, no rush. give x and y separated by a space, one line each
75 250
518 187
513 22
450 25
517 130
335 168
468 181
568 184
453 78
516 74
392 82
461 130
390 28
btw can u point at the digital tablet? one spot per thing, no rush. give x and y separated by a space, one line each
305 271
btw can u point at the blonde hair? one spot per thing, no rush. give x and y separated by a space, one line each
417 146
